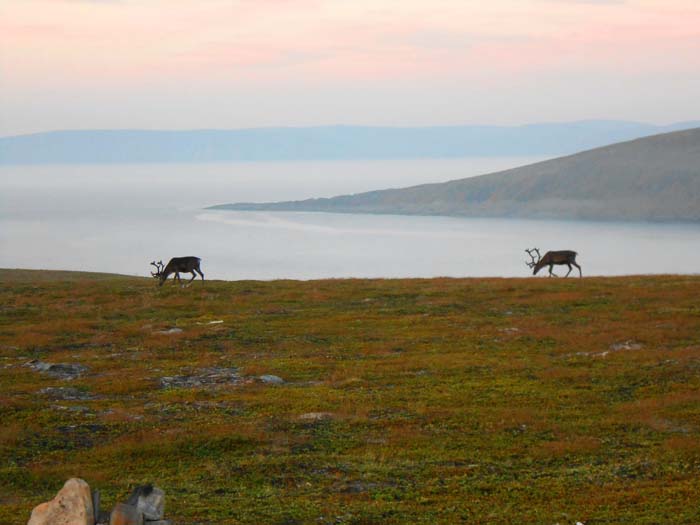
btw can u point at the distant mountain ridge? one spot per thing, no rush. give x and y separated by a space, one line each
318 143
654 178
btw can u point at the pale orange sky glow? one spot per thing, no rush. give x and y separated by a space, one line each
164 64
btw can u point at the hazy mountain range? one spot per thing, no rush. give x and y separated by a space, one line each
653 178
318 143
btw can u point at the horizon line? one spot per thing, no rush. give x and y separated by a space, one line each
358 126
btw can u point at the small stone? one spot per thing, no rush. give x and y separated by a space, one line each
357 487
66 371
71 506
124 514
201 377
271 380
625 345
316 416
65 393
170 331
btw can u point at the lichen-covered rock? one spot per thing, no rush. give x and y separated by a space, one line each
71 506
316 416
271 380
65 393
170 331
202 377
66 371
149 500
124 514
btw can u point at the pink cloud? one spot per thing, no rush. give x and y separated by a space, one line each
417 37
132 44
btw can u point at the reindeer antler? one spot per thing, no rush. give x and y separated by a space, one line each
159 268
533 263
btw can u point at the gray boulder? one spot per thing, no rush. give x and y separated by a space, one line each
149 500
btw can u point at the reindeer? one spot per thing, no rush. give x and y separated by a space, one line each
177 265
566 257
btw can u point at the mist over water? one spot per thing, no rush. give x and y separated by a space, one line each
119 218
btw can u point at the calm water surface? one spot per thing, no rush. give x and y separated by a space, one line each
119 218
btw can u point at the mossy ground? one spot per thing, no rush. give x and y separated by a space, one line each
453 400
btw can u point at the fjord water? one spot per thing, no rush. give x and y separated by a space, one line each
118 218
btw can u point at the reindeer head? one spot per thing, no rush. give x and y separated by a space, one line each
159 269
534 263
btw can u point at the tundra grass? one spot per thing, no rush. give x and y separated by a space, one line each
447 400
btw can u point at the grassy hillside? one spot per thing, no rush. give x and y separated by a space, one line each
445 400
653 178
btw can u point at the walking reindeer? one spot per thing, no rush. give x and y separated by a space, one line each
175 266
566 257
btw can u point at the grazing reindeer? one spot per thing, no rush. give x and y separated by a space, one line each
566 257
180 264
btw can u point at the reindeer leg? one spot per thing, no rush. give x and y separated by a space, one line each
551 273
567 273
199 272
177 276
193 276
580 273
179 280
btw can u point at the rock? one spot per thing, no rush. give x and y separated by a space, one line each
271 380
316 416
96 504
124 514
65 393
170 331
201 377
356 487
625 345
65 371
71 506
99 515
149 500
159 522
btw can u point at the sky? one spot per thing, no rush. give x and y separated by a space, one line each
193 64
